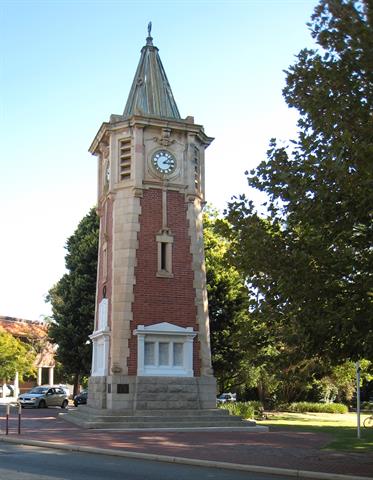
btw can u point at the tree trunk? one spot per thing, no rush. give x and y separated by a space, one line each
76 384
261 392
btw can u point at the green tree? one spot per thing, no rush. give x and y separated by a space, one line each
341 381
73 300
246 355
309 261
228 306
15 356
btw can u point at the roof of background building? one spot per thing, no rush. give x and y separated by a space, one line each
20 327
31 330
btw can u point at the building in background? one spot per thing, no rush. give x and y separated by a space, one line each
32 332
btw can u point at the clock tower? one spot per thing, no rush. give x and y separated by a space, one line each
151 346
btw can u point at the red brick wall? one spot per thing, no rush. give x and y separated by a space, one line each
157 299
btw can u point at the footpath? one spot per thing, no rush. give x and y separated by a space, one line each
278 451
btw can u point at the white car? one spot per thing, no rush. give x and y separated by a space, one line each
226 397
65 388
42 397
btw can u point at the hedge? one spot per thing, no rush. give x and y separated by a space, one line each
255 408
243 409
303 407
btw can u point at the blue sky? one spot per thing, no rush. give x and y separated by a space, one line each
66 65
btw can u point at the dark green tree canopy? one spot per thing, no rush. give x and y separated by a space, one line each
309 262
228 305
73 299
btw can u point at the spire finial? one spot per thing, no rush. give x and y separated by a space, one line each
149 40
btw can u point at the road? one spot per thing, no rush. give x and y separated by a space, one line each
18 462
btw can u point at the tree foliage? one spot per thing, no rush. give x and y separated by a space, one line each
309 261
228 305
73 299
247 356
15 356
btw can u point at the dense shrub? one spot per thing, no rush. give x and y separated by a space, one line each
367 406
254 409
243 409
302 407
258 407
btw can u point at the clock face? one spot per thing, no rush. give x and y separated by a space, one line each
164 162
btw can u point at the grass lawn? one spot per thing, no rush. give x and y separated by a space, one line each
341 427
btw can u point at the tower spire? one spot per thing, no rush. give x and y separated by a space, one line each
151 92
149 38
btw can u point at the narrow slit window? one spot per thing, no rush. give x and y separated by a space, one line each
163 256
164 247
197 171
104 262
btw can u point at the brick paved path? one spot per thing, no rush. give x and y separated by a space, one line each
277 448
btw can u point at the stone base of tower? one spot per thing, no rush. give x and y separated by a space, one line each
130 402
132 393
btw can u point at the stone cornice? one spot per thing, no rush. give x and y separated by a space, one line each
118 122
98 138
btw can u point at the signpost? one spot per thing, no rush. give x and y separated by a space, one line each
358 398
7 419
19 418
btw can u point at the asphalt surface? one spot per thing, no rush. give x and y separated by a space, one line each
18 462
277 449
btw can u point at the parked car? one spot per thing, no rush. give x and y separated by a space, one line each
65 388
226 397
42 397
81 398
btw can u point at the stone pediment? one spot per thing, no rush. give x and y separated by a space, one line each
164 328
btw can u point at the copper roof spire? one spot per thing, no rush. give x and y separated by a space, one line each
151 93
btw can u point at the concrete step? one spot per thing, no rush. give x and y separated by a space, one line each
87 412
156 424
185 413
158 419
180 425
88 417
161 420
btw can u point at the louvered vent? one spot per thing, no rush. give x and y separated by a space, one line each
125 159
